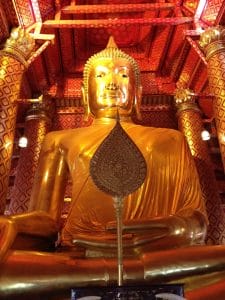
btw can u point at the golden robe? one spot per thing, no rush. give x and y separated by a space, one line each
171 186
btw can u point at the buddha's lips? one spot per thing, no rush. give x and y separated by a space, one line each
112 94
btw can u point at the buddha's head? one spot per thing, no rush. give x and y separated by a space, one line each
111 83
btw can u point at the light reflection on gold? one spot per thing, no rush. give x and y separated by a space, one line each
162 219
7 144
46 175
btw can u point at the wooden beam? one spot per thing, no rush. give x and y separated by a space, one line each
115 22
115 8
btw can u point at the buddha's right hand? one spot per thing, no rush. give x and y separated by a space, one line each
187 228
8 233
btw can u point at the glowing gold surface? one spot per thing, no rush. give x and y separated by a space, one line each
167 211
12 61
191 124
214 48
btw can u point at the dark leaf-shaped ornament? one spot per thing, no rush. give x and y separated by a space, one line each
118 167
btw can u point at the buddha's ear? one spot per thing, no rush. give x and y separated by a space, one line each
137 102
85 103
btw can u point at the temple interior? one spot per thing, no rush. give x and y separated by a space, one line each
179 47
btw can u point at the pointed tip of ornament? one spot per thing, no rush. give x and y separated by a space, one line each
117 116
111 43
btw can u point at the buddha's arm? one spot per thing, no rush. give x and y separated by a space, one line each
51 178
36 224
186 220
42 220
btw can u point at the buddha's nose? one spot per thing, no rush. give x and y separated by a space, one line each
112 86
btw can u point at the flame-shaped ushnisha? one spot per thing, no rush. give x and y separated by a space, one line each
118 168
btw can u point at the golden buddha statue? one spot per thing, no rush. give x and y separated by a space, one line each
164 220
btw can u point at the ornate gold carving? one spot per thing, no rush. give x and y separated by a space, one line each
35 131
185 99
216 76
107 57
37 111
19 45
118 167
212 40
183 96
9 87
191 124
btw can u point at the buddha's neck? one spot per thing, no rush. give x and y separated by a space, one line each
107 120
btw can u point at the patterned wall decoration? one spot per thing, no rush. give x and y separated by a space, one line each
10 79
37 75
200 79
70 87
4 27
35 131
65 2
190 123
166 87
190 5
36 10
68 50
186 73
52 57
163 116
177 54
25 90
46 9
80 46
10 13
211 11
212 41
66 94
149 83
206 105
216 72
69 117
158 115
66 88
158 49
99 37
24 12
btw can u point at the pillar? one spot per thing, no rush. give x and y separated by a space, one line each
190 123
13 62
37 124
213 43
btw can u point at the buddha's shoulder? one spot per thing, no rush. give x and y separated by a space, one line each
158 135
60 135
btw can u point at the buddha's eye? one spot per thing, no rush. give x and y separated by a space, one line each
100 75
123 74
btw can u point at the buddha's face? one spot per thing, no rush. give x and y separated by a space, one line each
111 87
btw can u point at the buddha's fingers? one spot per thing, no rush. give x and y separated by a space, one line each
8 233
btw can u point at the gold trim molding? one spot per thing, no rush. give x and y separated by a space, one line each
185 100
212 40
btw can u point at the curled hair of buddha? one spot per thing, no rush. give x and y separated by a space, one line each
111 51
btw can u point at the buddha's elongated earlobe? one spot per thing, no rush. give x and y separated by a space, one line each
137 103
85 103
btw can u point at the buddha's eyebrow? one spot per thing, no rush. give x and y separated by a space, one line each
123 67
101 68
